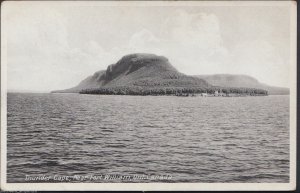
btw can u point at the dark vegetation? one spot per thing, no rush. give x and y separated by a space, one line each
149 74
179 91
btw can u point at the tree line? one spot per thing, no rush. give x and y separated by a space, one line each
138 90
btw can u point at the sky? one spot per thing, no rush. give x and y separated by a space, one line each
54 45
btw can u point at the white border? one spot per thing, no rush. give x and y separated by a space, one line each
155 186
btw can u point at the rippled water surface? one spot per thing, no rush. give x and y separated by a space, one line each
192 139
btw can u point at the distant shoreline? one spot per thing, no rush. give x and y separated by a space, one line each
187 95
177 91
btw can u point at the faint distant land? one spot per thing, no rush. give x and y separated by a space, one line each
149 74
232 80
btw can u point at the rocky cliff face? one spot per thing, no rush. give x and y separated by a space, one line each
152 71
138 70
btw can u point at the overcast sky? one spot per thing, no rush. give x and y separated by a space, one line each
54 45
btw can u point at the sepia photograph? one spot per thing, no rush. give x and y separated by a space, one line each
141 95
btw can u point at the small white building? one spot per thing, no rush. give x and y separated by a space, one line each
204 94
216 93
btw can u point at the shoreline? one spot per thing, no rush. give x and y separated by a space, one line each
184 95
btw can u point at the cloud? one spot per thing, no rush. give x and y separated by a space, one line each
49 45
143 39
39 53
190 41
261 59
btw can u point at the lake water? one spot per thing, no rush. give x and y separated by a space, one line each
187 139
